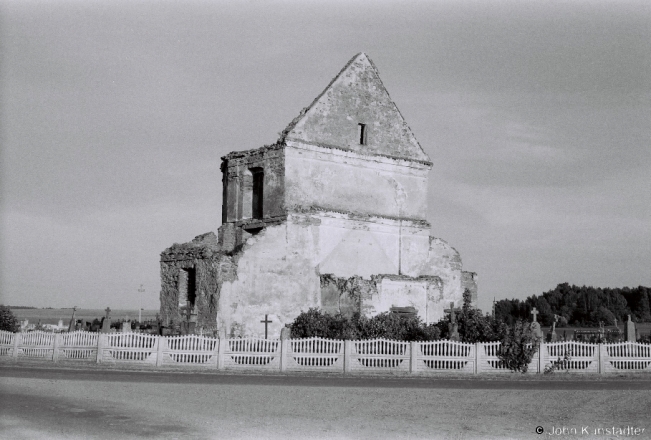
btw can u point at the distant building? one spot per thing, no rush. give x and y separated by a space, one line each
332 215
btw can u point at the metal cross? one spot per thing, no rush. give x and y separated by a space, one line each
266 323
534 312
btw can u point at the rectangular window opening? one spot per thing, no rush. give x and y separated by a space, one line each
187 287
361 133
258 193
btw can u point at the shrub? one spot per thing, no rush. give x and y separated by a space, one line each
519 345
473 325
8 321
385 325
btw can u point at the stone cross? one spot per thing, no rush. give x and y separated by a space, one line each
106 322
73 322
453 327
630 332
534 312
451 311
266 323
535 326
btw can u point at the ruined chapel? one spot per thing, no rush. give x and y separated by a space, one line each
332 215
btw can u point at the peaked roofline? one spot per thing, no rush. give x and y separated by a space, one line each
283 135
291 125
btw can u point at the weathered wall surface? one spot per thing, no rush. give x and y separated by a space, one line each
211 268
469 281
327 260
444 262
275 276
347 182
238 193
422 293
356 96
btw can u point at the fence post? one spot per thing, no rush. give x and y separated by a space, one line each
348 350
220 352
601 355
17 340
540 357
100 347
283 354
159 350
476 368
55 348
413 357
215 353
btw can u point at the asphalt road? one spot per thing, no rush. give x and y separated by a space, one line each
478 383
65 403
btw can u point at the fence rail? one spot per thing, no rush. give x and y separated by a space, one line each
317 354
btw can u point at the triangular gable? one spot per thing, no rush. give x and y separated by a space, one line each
356 96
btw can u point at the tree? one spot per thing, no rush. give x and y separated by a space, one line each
475 327
8 321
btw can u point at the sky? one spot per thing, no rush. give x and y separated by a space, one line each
114 116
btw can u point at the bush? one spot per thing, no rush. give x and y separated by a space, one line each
8 321
385 325
473 325
519 345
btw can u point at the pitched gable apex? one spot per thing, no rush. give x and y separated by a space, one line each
355 112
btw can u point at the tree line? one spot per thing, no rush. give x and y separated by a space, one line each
580 306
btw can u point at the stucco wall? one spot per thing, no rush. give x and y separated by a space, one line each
347 182
279 272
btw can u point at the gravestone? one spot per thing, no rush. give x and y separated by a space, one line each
629 329
126 327
192 323
553 337
285 333
106 321
535 326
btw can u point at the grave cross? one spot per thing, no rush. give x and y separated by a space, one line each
451 311
108 312
266 323
534 312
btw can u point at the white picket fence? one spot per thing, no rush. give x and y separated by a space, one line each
316 354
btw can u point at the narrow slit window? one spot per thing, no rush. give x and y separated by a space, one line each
361 133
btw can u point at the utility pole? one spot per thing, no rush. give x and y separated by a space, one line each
141 291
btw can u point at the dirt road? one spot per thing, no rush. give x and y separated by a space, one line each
76 404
